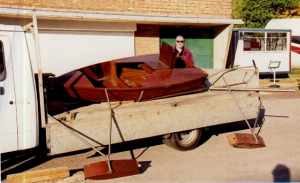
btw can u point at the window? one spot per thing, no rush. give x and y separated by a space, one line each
253 41
276 41
2 64
264 41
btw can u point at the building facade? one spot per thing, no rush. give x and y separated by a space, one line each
220 8
140 25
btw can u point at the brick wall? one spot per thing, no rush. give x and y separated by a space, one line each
146 39
146 36
148 7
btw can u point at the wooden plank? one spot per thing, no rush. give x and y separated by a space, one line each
39 175
254 89
151 118
245 140
120 168
38 59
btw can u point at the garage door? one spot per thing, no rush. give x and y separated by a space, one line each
64 51
198 40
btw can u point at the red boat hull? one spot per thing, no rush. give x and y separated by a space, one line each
160 83
136 78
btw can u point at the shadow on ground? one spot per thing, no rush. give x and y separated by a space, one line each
281 173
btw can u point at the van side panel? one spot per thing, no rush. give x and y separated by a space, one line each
28 127
8 116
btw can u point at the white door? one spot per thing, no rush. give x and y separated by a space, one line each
66 51
8 118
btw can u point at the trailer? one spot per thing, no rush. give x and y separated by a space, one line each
136 120
264 46
23 108
294 25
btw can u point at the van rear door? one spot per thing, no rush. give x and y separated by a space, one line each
8 118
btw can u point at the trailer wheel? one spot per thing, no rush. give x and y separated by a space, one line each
184 141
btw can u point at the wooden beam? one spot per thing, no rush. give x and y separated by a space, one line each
252 89
245 140
40 70
39 175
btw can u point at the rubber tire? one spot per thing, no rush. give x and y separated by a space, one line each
190 141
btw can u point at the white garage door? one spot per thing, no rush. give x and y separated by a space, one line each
64 51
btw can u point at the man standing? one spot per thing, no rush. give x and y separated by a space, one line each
184 57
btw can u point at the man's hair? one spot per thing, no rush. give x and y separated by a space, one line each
179 35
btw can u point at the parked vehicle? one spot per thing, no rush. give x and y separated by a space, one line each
264 46
294 25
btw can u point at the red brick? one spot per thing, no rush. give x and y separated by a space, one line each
220 8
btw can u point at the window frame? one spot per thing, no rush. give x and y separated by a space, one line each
263 38
280 38
264 47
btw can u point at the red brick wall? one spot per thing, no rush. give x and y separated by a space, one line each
148 7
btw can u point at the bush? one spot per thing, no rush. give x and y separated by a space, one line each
256 14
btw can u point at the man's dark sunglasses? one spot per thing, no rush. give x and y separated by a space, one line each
180 41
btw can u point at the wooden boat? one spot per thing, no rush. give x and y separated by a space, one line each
135 78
